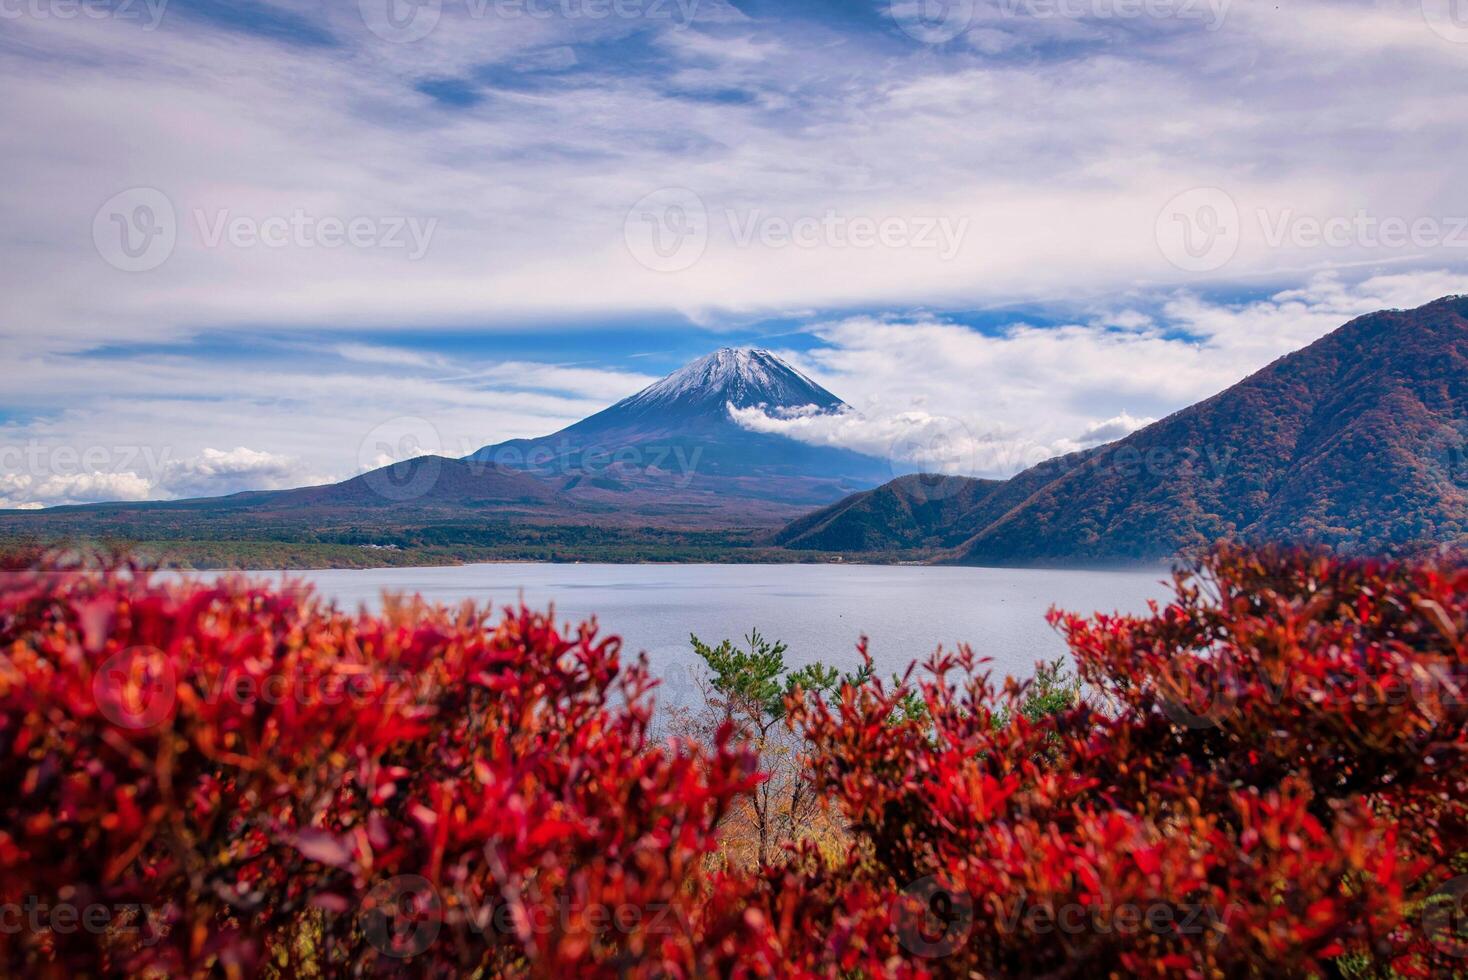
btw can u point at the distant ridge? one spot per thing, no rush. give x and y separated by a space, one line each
679 435
671 455
1356 442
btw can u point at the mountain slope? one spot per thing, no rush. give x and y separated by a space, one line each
670 458
1355 442
916 511
678 436
919 511
426 483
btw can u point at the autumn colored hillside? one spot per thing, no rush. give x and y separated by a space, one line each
1356 442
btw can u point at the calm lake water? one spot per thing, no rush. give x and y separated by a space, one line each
820 611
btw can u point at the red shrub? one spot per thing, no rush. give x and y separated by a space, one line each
1278 782
264 776
1267 777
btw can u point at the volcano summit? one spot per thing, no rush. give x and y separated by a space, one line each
680 434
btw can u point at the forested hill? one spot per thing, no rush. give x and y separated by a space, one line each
1355 442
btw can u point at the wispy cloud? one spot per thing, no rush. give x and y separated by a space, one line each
936 393
295 169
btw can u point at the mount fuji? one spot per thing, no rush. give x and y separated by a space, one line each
680 434
666 472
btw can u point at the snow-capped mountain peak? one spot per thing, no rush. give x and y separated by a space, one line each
681 433
739 376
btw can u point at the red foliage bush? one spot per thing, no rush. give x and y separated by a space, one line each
228 774
1266 777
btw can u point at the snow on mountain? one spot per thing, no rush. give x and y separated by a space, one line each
681 433
743 377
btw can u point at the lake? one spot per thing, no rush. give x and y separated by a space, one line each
820 611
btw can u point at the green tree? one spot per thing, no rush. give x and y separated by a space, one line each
748 687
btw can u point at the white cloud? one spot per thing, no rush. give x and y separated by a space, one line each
1058 140
1112 429
1060 160
27 492
991 403
912 441
216 472
137 473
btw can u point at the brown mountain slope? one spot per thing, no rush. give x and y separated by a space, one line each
917 511
1356 442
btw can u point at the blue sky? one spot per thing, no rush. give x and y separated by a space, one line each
243 237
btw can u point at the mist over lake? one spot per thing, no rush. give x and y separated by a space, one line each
821 611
